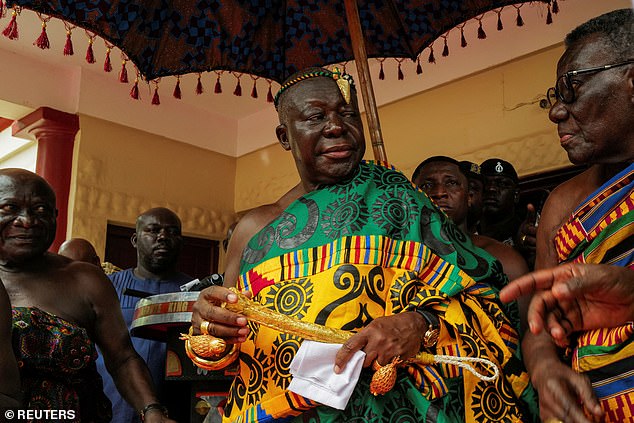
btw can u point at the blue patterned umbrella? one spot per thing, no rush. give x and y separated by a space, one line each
268 38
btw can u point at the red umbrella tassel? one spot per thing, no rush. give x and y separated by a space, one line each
519 21
155 98
445 49
68 46
463 40
431 58
400 72
269 94
419 68
254 90
381 72
500 26
11 31
177 88
107 65
218 86
555 7
134 92
42 41
90 55
199 86
238 90
123 74
549 17
481 34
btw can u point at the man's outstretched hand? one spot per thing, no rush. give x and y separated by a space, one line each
575 297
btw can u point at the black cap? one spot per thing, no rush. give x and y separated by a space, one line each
471 170
499 167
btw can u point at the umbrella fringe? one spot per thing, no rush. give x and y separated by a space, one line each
481 34
11 31
519 21
238 90
199 86
123 74
43 42
107 64
134 92
155 98
431 58
177 89
90 54
68 46
254 90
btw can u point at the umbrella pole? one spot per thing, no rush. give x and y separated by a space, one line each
365 81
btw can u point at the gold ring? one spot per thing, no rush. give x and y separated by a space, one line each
204 327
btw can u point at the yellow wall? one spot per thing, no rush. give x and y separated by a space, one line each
120 172
469 119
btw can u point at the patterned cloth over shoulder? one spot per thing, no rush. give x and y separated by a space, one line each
368 247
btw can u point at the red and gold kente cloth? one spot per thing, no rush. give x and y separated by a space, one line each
374 246
601 230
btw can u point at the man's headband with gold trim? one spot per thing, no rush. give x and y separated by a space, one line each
344 82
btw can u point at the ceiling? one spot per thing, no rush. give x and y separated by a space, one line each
225 123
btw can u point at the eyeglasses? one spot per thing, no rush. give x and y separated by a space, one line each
564 89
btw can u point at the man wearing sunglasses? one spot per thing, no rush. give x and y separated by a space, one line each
589 219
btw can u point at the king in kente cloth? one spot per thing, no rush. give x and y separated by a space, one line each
356 246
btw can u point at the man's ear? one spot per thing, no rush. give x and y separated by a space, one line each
281 132
133 240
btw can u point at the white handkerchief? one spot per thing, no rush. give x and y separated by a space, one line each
314 376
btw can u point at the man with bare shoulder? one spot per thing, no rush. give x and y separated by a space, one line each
62 310
356 247
589 219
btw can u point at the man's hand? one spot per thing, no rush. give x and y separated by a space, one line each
385 338
575 297
563 393
225 324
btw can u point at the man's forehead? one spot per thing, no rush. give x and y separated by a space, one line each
439 166
592 50
13 183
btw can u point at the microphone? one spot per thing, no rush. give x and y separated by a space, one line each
200 284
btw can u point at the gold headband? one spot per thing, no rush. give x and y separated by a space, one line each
344 82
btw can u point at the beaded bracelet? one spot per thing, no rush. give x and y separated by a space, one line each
153 406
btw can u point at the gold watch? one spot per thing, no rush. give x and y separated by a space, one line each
430 338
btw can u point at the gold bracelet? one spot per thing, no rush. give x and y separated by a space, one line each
209 363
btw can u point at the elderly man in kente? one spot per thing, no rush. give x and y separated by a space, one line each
61 310
356 246
590 219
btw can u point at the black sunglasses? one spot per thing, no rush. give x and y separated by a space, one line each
564 90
